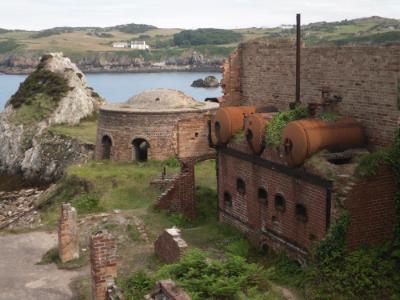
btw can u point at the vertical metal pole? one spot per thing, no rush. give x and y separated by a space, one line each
298 62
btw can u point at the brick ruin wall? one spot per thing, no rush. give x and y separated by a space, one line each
263 219
179 196
193 138
371 205
367 78
161 130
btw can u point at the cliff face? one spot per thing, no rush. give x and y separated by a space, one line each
55 93
23 63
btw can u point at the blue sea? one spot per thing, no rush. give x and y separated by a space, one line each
117 88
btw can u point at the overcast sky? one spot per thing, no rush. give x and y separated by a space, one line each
40 14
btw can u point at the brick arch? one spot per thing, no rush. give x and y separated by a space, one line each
180 196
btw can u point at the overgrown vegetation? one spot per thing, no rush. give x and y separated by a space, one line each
274 129
202 277
206 36
8 46
38 95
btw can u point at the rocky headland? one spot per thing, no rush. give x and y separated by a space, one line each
56 92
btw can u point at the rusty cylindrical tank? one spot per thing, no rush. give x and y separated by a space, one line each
254 130
229 120
303 138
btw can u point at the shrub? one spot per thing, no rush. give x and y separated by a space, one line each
205 278
40 82
137 285
86 203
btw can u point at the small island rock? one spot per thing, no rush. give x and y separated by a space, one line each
208 82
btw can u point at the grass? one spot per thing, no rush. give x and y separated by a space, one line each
51 257
84 132
122 185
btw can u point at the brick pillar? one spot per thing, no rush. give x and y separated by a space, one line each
103 258
68 234
187 191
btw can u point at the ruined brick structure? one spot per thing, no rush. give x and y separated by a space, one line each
156 124
170 246
68 234
103 259
289 208
179 193
367 79
168 290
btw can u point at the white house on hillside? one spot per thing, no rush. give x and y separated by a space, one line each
120 45
140 45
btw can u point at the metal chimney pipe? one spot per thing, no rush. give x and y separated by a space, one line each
298 58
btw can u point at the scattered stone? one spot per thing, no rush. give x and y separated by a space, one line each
18 206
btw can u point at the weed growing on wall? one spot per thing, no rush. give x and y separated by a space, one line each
274 129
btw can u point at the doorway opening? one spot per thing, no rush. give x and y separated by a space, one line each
140 149
106 143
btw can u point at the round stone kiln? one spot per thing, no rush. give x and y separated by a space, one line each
147 125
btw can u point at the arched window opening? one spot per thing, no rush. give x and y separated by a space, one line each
280 203
301 212
240 186
106 143
140 149
227 199
262 195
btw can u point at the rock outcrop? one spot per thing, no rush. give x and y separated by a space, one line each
208 82
55 93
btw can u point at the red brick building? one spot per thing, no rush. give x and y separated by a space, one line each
156 124
289 208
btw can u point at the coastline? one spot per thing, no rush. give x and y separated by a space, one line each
183 69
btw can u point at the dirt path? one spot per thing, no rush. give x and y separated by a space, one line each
21 278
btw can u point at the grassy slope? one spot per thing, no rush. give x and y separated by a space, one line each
84 132
79 42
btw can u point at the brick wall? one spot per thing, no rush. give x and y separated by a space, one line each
368 79
159 129
249 213
103 258
371 204
68 234
179 197
170 246
193 137
231 80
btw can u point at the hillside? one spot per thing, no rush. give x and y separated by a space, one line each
91 47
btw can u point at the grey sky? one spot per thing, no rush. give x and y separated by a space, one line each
40 14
